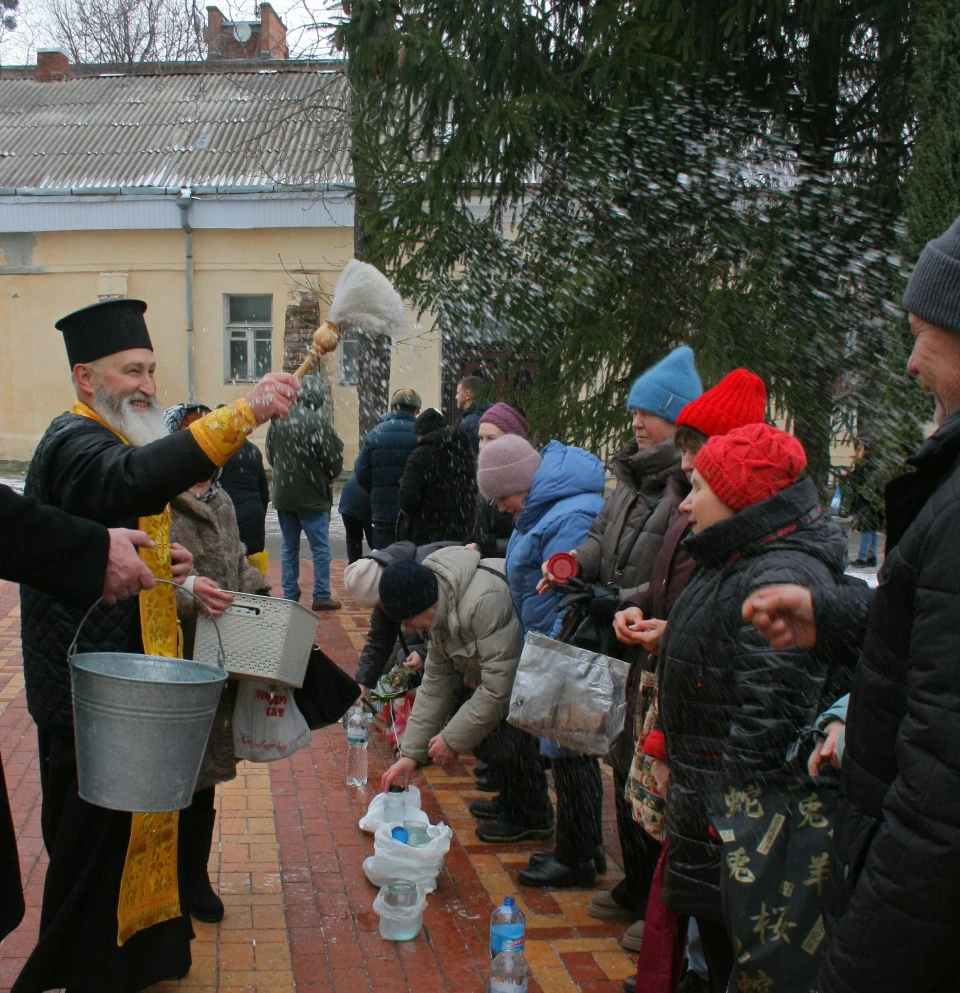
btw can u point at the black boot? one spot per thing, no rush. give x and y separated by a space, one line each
486 810
205 905
599 859
554 873
503 830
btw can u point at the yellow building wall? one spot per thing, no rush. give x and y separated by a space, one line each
69 270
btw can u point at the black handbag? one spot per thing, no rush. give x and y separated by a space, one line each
327 692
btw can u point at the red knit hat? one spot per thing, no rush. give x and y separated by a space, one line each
739 398
750 464
655 745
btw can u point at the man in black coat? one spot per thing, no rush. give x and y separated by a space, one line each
471 410
111 461
893 910
78 561
438 489
381 462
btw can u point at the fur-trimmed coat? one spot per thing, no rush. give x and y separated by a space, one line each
209 531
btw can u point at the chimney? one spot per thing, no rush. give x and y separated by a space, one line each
273 34
228 40
52 65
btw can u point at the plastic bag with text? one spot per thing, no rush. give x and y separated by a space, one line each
267 725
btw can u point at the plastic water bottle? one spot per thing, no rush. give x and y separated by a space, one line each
508 973
507 928
358 734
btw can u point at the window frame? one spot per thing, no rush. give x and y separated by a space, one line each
250 330
349 337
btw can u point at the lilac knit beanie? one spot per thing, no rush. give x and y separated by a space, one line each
507 418
507 466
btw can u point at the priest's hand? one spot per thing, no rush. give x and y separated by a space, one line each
127 574
212 597
273 396
181 561
401 771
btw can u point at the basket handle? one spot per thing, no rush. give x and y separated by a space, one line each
221 655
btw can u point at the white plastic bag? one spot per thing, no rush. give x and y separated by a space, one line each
397 923
393 859
266 723
373 818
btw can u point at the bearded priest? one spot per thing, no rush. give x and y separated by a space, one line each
112 920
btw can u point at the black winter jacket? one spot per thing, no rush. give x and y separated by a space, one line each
730 705
491 529
381 462
896 870
84 468
470 424
245 481
438 489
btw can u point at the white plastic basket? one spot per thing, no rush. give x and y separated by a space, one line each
264 638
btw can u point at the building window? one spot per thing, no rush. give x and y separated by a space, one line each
350 359
248 348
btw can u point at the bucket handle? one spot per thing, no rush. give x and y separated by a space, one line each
221 655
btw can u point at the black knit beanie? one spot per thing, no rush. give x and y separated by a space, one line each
428 421
933 293
407 589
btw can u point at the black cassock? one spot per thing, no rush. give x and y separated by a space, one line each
63 555
83 468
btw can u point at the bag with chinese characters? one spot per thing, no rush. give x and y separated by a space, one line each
777 843
266 723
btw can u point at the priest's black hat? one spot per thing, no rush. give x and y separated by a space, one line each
104 328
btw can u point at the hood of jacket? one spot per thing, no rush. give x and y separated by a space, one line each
791 520
312 393
448 440
407 551
632 466
565 471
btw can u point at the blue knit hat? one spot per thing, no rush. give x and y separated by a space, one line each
667 387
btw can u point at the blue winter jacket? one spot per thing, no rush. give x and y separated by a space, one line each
566 495
381 462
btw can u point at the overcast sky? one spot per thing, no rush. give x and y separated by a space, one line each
19 47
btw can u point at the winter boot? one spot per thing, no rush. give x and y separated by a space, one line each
205 905
557 874
486 810
599 859
503 830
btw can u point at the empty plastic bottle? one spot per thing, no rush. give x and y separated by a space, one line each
358 734
507 928
508 973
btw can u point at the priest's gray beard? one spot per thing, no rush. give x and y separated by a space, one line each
139 425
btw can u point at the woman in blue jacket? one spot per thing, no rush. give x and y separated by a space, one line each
553 495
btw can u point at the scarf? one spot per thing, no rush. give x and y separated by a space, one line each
149 891
174 417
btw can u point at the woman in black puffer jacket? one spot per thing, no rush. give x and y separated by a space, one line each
730 705
438 489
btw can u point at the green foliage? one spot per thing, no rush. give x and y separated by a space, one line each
652 173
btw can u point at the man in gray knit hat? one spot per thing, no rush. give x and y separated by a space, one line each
893 910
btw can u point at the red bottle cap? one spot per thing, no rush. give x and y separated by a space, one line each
562 566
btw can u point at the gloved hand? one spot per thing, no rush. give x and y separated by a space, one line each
600 601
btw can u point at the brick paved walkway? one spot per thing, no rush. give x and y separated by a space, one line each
287 861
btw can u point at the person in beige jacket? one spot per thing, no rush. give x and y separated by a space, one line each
475 643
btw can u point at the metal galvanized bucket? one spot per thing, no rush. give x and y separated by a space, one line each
141 724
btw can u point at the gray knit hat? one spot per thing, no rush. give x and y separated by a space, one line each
933 293
507 466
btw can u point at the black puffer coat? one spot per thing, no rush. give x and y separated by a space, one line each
438 489
245 481
85 469
730 705
896 871
491 529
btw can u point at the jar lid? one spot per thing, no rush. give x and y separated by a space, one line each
562 566
395 788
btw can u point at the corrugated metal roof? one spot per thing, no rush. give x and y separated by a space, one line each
215 129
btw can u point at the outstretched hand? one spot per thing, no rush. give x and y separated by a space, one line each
273 396
213 598
783 615
401 771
